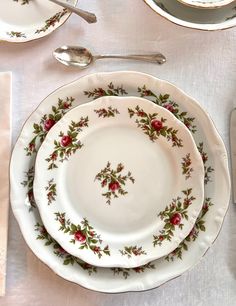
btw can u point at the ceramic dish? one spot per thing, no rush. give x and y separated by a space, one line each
96 188
25 20
206 3
181 14
217 183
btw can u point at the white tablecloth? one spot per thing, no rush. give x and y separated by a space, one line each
201 63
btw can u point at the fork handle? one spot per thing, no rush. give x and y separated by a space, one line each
87 16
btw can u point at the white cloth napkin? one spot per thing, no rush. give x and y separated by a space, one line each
5 133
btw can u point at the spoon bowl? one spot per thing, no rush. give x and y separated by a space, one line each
73 56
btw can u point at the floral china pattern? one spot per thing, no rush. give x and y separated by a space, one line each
131 251
173 216
52 21
22 2
69 259
16 34
199 226
28 183
41 128
49 23
161 100
114 181
67 144
84 234
166 102
125 272
207 169
186 166
51 189
111 90
154 127
106 113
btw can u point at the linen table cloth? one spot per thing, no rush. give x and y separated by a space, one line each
203 64
5 131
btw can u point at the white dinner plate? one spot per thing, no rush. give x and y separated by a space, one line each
25 20
98 186
208 141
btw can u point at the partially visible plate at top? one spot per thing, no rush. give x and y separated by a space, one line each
206 3
25 20
119 182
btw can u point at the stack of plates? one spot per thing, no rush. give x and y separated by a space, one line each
127 191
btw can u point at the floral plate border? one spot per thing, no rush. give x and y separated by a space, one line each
217 183
170 226
49 24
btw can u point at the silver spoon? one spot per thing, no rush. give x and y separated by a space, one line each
87 16
82 57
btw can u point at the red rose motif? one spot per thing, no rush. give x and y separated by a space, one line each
43 231
31 196
192 233
141 114
101 92
161 237
169 107
113 186
187 202
157 125
54 156
66 105
138 269
104 182
204 158
91 234
147 93
48 124
31 146
96 249
61 250
66 141
79 236
87 266
187 124
175 219
62 220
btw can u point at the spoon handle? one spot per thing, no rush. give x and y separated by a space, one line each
157 58
87 16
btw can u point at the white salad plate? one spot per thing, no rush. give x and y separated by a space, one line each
206 3
98 187
207 139
191 17
25 20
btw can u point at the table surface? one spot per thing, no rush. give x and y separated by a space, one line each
203 64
